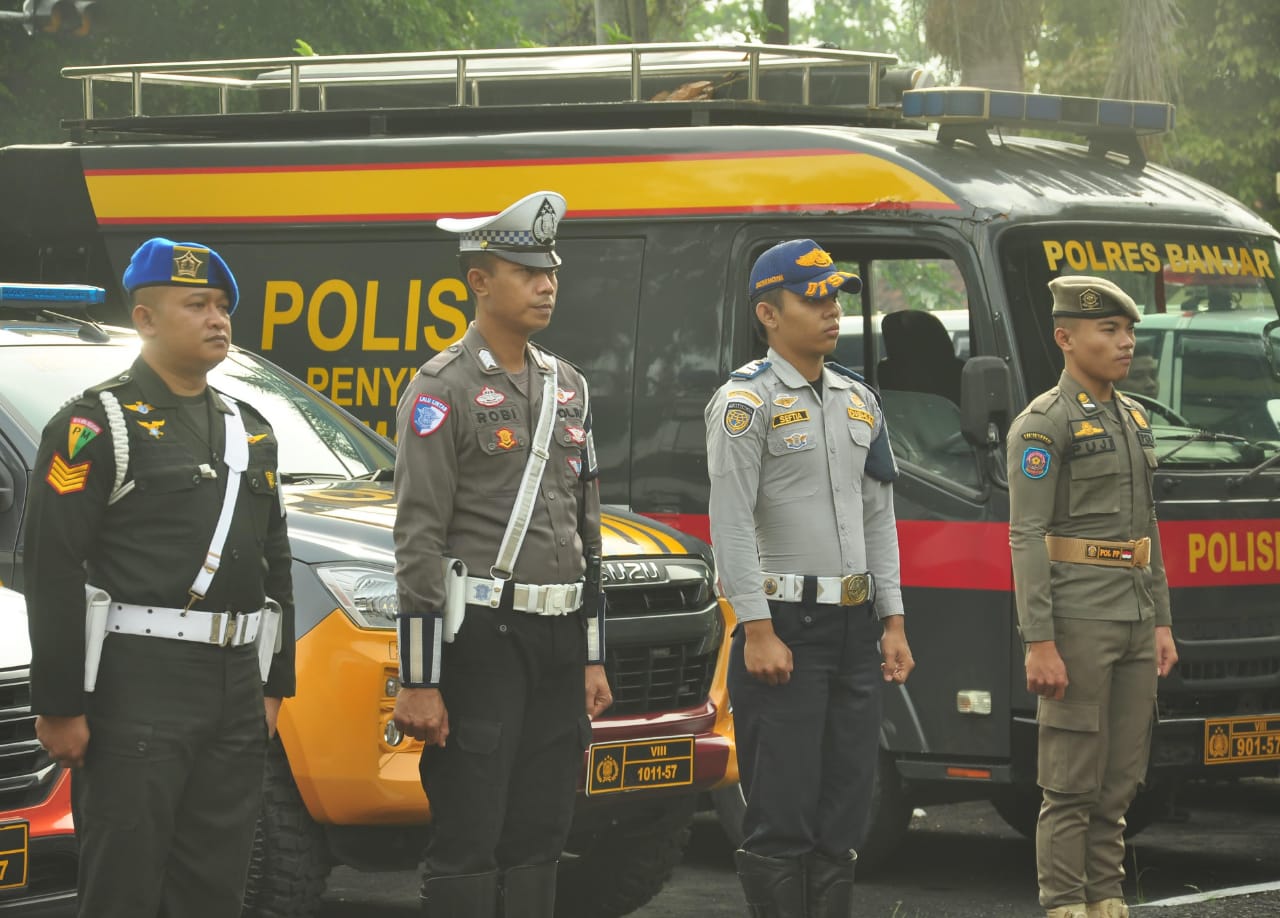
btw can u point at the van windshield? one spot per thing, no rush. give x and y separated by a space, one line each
1207 362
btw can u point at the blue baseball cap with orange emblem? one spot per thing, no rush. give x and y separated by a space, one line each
161 262
801 266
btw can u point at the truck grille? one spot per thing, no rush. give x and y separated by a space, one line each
658 599
655 679
26 771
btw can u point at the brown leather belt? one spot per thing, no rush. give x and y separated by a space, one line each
1101 552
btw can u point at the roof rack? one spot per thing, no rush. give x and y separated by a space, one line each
615 75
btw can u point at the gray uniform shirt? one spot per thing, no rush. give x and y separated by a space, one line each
465 426
1082 469
790 493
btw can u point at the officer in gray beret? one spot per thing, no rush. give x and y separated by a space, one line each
806 544
1093 601
497 569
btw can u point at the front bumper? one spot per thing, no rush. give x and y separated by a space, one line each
51 856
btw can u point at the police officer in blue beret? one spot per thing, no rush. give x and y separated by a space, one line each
806 546
159 496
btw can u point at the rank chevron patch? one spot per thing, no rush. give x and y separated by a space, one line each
67 479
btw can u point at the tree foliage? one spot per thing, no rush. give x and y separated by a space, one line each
33 97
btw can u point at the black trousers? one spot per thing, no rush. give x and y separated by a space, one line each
807 750
166 802
502 789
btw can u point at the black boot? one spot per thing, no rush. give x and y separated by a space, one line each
830 885
474 895
529 891
774 886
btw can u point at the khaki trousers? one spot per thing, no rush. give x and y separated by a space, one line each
1094 746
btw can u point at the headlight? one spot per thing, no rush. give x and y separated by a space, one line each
367 594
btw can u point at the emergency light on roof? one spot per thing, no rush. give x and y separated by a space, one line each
51 294
964 105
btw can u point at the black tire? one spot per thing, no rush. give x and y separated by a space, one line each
290 862
890 815
618 873
1019 807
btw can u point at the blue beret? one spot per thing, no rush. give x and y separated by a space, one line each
802 267
162 262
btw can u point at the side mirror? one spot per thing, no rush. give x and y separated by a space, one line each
986 400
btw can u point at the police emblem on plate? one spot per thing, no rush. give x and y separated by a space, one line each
428 414
1035 462
490 397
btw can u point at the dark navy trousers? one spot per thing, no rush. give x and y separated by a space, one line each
807 750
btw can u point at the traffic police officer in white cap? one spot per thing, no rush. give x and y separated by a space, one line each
806 545
496 475
1093 602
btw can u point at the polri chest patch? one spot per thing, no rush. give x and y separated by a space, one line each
429 414
490 397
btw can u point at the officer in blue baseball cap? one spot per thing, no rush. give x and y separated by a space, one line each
801 512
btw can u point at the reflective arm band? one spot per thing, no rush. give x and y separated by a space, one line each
419 636
595 630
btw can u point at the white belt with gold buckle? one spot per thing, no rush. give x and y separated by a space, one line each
849 590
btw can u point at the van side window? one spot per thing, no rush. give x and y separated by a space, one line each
919 309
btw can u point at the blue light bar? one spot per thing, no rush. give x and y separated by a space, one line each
1080 114
51 294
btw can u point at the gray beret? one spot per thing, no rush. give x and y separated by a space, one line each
1082 297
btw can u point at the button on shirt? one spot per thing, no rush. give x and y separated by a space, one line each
789 489
1082 469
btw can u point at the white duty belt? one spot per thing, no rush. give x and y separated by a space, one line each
849 590
223 629
535 598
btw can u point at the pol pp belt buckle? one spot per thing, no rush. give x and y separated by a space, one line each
854 589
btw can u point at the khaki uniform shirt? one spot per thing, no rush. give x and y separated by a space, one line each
464 428
790 493
1081 469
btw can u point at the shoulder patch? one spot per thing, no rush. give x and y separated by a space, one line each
745 395
1035 462
441 360
1040 437
428 415
739 415
751 370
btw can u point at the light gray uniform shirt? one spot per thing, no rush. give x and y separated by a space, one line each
790 490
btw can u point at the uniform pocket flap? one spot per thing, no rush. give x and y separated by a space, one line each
479 737
1095 466
1068 715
